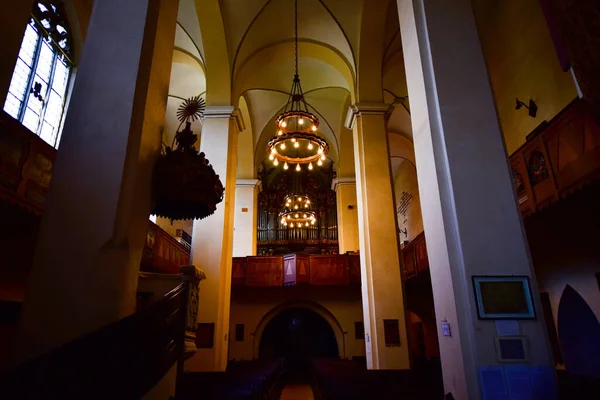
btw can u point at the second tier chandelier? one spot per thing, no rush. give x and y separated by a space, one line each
297 212
297 141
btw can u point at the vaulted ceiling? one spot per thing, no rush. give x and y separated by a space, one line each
260 50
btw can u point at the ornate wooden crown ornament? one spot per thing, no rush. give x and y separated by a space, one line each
185 185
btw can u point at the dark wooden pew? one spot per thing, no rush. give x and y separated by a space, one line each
255 380
341 379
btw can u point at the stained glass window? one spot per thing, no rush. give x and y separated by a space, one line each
38 88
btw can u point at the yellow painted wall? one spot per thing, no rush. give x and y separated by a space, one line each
522 63
406 190
347 217
250 305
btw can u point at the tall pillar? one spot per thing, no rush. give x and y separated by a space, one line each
347 213
85 270
212 237
470 214
13 21
382 296
245 222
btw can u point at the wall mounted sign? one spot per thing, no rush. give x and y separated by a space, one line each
446 328
503 297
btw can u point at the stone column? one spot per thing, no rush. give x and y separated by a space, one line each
382 296
212 237
245 222
13 21
347 213
85 269
192 275
470 214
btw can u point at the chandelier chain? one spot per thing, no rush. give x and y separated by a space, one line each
296 32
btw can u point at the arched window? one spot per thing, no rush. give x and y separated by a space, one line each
38 88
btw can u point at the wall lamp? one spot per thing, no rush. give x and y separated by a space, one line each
532 107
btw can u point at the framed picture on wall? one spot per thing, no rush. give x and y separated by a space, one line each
503 297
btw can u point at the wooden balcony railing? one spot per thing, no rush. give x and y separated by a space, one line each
123 360
296 269
26 163
414 257
558 157
162 252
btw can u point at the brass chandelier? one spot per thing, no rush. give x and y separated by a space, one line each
297 142
297 212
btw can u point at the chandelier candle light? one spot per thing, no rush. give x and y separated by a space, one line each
296 212
297 141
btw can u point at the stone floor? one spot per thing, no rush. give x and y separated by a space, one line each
297 392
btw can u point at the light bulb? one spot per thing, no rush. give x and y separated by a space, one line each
314 128
298 168
307 201
323 157
319 163
310 166
305 216
285 166
320 151
312 222
283 146
296 216
292 225
280 132
297 144
293 140
296 207
271 157
289 216
299 198
310 146
307 224
275 162
301 121
283 220
273 150
283 124
306 206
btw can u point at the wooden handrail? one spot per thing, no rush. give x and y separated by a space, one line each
121 361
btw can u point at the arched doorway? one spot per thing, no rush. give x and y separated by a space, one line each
579 335
298 334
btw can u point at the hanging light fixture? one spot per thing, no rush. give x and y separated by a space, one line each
297 141
297 212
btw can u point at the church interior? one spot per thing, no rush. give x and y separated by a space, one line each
300 199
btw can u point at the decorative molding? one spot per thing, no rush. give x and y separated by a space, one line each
219 112
191 275
347 180
367 109
226 112
247 182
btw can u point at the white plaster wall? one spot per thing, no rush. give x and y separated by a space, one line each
250 305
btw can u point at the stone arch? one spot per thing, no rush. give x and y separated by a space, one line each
308 305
